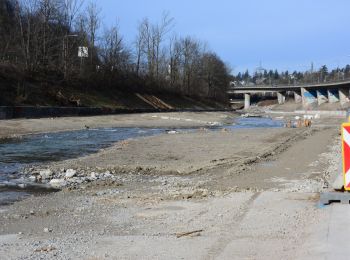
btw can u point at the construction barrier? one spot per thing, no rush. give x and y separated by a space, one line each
346 154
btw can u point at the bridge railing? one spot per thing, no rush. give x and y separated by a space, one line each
295 83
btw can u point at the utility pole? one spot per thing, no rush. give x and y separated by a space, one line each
312 72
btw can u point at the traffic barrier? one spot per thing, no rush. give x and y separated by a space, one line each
346 154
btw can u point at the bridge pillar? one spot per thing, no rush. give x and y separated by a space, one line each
246 101
297 97
333 95
281 97
322 96
309 97
343 96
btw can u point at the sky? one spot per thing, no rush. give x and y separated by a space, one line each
279 34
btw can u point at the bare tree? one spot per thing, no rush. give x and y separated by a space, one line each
93 24
158 33
174 66
150 39
115 56
27 30
71 9
139 46
191 54
215 76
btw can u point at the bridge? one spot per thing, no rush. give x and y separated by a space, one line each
307 94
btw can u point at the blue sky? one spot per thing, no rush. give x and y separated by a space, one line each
282 34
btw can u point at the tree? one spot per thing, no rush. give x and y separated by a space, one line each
150 39
216 76
114 55
323 72
92 21
71 9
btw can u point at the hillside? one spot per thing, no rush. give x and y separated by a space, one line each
20 90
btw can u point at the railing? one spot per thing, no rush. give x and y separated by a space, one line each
324 82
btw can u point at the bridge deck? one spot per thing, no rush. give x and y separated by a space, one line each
281 88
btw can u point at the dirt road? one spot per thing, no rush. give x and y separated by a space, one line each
246 194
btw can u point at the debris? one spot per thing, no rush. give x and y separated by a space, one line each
183 234
307 122
47 230
45 249
58 183
70 173
309 117
250 115
45 174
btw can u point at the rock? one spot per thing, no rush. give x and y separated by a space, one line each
107 174
58 183
45 174
93 175
32 178
70 173
47 230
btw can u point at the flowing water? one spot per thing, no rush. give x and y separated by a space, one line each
41 148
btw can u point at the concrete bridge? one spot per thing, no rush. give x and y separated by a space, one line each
308 94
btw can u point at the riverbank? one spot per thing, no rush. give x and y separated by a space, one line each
249 193
18 127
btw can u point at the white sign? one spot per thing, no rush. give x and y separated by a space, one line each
83 52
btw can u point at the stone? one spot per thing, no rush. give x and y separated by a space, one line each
107 174
93 175
32 178
70 173
58 183
45 174
47 230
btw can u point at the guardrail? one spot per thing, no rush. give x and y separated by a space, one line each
306 84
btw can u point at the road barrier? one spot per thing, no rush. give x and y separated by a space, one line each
346 154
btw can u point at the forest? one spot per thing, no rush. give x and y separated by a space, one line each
60 45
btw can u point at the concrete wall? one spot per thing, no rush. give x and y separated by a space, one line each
343 96
297 97
322 96
333 95
309 96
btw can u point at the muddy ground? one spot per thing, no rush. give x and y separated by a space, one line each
242 194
